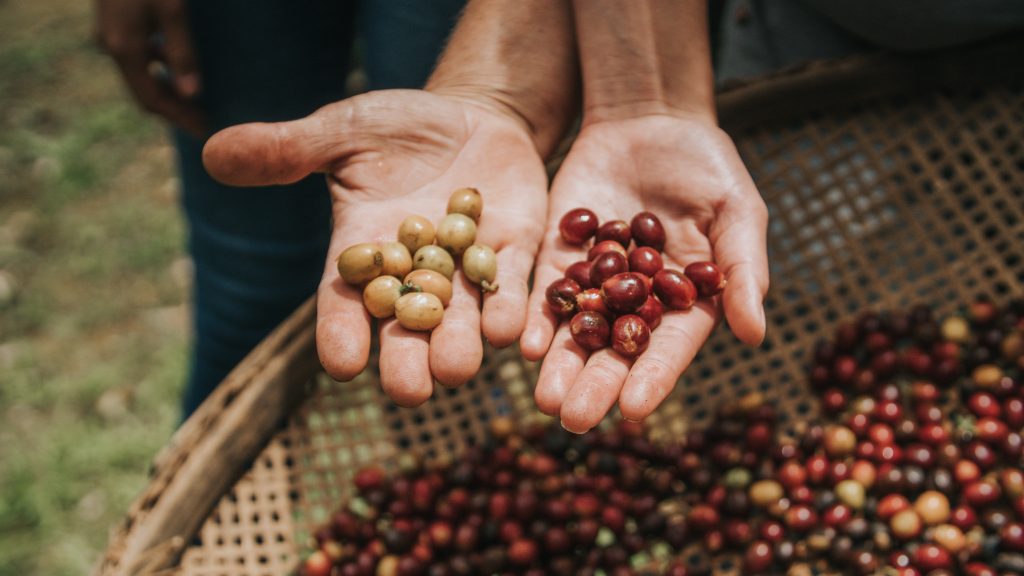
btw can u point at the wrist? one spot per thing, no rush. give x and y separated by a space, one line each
625 108
543 121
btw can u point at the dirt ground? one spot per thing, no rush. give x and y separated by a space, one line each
93 291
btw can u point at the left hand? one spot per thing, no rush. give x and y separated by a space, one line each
388 155
687 172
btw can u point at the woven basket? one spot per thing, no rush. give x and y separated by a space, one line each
890 180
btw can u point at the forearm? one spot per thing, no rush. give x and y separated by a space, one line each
518 56
644 56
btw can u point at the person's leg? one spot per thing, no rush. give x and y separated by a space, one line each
258 253
402 39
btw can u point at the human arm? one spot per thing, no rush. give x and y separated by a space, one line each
128 30
649 141
489 113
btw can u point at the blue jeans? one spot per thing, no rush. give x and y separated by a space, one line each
259 252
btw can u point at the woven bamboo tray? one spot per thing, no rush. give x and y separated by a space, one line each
890 180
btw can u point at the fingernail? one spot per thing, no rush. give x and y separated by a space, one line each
188 84
567 429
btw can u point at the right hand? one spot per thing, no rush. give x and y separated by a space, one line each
388 155
127 30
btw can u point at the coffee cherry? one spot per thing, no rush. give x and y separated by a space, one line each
981 493
415 232
906 524
630 336
616 231
647 230
651 312
577 226
360 263
591 300
1011 536
706 276
624 293
522 552
605 266
758 558
646 261
933 507
380 296
434 258
419 311
930 557
851 493
456 233
432 282
605 247
480 265
674 289
317 564
839 441
397 260
466 201
580 273
801 518
561 297
590 330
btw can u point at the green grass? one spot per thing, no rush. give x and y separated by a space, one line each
93 347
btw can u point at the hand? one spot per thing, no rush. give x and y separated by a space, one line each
129 30
686 171
389 155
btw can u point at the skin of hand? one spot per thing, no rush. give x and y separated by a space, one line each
126 29
693 179
649 141
389 155
487 117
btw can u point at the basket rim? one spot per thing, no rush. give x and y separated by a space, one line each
244 412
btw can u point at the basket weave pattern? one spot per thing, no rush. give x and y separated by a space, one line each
894 200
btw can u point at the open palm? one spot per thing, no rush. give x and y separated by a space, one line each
388 155
688 173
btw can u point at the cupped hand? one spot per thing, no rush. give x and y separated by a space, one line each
389 155
141 33
688 173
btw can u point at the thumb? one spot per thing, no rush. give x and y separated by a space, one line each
262 154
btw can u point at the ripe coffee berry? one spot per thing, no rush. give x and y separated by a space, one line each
561 296
647 230
674 289
578 226
590 330
624 293
615 230
630 336
646 261
605 266
709 280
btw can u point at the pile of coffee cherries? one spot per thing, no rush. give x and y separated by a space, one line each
411 278
913 469
618 294
533 500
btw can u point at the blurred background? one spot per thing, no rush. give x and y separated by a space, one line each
93 291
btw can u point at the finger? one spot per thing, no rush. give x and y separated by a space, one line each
261 154
540 321
740 244
504 313
594 391
127 44
342 328
172 20
562 364
673 345
404 364
456 351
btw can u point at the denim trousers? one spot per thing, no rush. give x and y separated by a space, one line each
259 252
